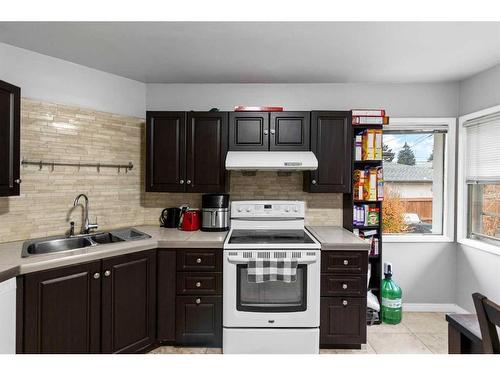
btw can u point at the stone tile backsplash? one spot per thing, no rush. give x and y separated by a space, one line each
54 132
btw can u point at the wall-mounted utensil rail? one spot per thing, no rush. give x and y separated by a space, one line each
42 163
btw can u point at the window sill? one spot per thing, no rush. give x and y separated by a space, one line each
406 238
479 245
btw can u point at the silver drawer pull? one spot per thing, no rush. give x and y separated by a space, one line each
344 302
346 262
107 273
97 275
181 182
344 286
198 301
198 260
198 284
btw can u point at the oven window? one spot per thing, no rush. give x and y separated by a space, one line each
271 296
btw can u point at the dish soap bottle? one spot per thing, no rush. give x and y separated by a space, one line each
391 298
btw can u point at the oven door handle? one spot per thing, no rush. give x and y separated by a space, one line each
240 260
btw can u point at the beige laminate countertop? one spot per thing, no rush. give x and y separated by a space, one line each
337 238
12 264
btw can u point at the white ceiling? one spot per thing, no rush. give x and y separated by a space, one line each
257 52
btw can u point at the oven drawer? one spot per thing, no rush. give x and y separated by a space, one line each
193 283
344 262
343 285
199 260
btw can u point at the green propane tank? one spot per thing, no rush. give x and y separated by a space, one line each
391 298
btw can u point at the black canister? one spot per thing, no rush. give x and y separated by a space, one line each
169 217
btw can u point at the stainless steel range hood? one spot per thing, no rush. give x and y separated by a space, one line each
271 161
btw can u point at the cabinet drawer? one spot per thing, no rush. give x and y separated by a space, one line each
344 262
343 285
199 283
199 260
199 320
342 321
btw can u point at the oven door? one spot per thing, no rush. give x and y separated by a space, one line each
272 303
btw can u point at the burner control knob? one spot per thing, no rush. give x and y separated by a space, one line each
249 209
287 209
295 209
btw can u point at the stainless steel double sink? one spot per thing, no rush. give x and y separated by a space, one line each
59 244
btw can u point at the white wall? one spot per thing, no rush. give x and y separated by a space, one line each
426 272
477 271
480 91
54 80
400 100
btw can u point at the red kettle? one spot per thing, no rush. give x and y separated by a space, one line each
191 220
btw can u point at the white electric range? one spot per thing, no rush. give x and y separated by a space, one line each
273 316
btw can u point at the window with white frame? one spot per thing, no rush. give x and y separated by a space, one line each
482 176
415 158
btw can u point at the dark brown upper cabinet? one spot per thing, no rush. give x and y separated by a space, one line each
166 151
249 131
206 136
331 142
264 131
186 152
10 130
289 131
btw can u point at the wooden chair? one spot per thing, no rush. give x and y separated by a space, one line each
488 316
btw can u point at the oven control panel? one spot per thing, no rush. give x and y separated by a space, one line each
255 209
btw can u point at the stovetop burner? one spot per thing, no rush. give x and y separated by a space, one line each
270 236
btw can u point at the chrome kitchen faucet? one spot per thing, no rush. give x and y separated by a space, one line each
86 225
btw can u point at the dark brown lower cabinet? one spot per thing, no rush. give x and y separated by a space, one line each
62 310
166 295
343 321
199 320
129 302
106 306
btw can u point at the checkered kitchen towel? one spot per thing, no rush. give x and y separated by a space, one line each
262 270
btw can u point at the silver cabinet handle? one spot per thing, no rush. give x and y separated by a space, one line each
273 131
198 284
266 132
97 275
107 273
18 181
344 286
346 262
344 302
188 182
313 182
198 260
197 301
181 182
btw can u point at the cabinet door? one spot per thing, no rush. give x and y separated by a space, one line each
199 320
331 142
342 321
10 117
290 131
62 310
128 302
206 152
166 295
165 148
249 131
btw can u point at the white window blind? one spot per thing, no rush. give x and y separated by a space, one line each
483 149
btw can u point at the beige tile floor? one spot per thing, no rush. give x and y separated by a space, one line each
418 333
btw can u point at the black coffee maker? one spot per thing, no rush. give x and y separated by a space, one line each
170 217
